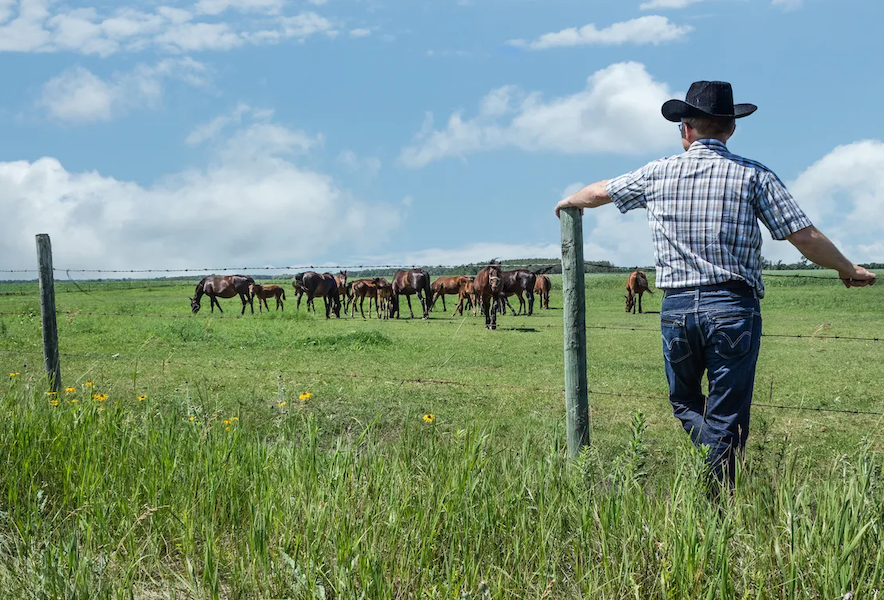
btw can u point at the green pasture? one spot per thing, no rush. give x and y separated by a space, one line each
286 455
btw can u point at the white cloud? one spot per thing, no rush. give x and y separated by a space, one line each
652 29
789 4
216 7
30 26
360 32
368 166
78 95
655 4
618 112
248 191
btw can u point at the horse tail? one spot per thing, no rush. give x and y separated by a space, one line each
282 292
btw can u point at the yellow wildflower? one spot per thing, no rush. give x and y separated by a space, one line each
53 402
74 401
14 374
227 421
99 397
51 393
142 397
283 403
305 396
429 418
192 418
70 389
227 429
235 419
88 383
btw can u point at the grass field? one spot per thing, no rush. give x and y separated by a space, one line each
226 480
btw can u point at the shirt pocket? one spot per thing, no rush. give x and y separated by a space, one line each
676 346
732 332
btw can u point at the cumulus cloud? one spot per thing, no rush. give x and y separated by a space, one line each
77 95
253 204
47 26
617 112
643 30
655 4
360 32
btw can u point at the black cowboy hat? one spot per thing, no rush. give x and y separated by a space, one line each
707 99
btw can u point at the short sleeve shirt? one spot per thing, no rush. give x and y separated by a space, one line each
703 209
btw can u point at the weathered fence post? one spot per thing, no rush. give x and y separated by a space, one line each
574 295
47 311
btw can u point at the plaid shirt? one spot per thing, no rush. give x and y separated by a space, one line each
703 209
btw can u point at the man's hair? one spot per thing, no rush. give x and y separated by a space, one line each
711 126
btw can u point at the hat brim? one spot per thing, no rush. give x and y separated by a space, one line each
676 110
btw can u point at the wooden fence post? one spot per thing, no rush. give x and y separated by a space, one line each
574 295
47 311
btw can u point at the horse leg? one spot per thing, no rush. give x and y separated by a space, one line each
362 306
640 302
530 295
408 297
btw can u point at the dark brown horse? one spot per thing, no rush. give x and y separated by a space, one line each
521 281
488 288
542 288
223 287
636 285
316 286
408 282
263 292
465 294
341 280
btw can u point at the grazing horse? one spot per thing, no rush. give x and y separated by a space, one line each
408 282
521 281
488 288
542 288
360 290
263 292
637 284
443 286
384 297
341 280
315 286
223 287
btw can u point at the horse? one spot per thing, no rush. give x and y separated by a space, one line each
488 288
360 290
413 281
341 280
637 284
542 288
316 285
465 294
518 282
223 287
268 291
443 286
384 296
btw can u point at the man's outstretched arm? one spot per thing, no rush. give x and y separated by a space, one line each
818 249
592 196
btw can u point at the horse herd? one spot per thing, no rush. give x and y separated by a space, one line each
489 291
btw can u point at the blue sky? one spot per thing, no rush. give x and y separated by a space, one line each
255 132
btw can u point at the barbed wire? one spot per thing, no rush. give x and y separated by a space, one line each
467 384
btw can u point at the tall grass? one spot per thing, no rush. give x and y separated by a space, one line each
147 499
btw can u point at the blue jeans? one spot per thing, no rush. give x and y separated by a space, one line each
716 331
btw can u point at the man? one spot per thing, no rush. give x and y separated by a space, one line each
703 208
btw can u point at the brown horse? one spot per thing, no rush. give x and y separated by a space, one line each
466 294
315 286
263 292
223 287
341 280
360 290
443 286
488 288
406 283
384 296
542 288
637 284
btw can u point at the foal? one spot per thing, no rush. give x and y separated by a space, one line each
262 292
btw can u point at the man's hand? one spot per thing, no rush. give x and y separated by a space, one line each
592 196
857 277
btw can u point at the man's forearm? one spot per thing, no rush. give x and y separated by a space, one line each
818 249
591 196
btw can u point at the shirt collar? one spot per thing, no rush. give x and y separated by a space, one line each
710 143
